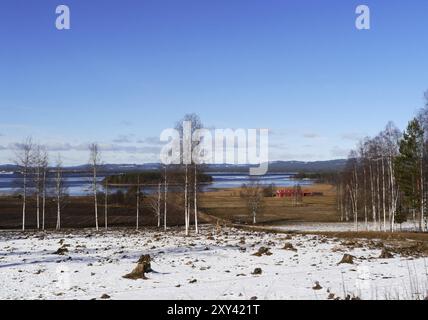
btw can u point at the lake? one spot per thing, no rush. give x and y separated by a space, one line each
79 184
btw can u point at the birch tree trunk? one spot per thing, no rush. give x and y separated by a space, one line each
383 196
158 205
186 214
94 161
365 196
58 189
58 213
422 209
24 198
195 202
165 202
95 196
138 202
24 160
44 198
394 193
346 205
106 205
372 193
38 187
356 198
378 195
351 196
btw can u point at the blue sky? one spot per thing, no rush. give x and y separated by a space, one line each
129 69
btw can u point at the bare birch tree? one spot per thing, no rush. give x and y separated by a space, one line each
60 190
195 197
95 161
40 160
44 162
24 159
155 204
165 198
37 181
252 193
370 178
138 202
158 211
106 203
186 127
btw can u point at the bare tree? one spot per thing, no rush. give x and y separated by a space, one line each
40 159
186 127
371 183
158 211
165 198
44 161
195 197
253 195
37 180
60 190
105 203
24 161
155 204
138 202
95 161
186 203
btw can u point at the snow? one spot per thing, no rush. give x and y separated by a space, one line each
222 266
338 227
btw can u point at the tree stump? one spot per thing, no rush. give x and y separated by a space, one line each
385 254
347 258
262 251
143 267
289 246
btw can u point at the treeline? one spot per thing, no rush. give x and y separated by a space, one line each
385 179
318 177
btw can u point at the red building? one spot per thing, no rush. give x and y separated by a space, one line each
293 192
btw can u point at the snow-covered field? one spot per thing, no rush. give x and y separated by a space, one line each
208 266
338 227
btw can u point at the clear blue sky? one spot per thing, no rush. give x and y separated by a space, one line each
128 69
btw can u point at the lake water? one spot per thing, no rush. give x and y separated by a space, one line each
80 184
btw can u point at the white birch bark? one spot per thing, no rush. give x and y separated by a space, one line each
24 198
186 213
95 160
383 196
165 201
24 160
422 218
106 205
372 193
195 202
138 202
58 191
38 189
356 198
44 199
158 205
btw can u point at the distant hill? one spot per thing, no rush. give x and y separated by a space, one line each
312 166
285 166
274 166
8 167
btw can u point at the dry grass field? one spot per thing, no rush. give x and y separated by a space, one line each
227 204
78 212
